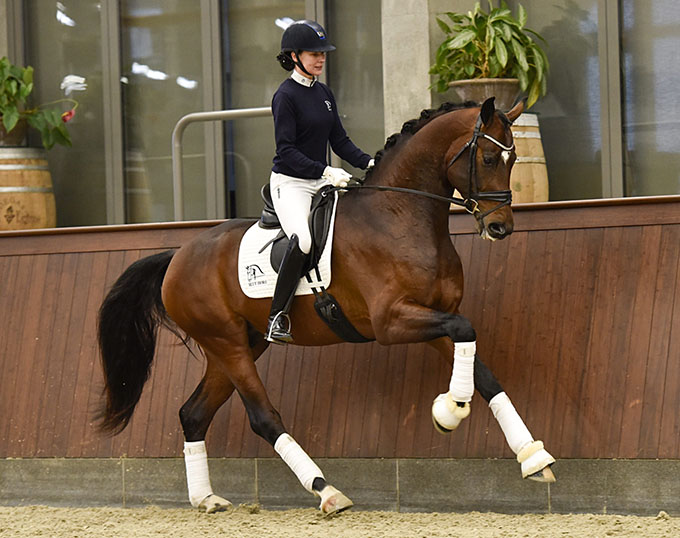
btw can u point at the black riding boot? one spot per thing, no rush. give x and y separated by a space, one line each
278 330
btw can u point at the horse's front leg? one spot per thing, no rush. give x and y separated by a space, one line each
410 322
531 454
535 461
455 338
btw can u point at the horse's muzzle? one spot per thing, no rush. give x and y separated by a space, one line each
494 230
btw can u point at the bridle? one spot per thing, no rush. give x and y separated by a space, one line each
471 203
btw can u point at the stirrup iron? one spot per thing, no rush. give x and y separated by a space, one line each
276 324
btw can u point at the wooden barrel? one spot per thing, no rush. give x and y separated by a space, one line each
529 177
26 196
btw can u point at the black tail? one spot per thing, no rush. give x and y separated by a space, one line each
128 324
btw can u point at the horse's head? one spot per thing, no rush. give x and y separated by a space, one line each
480 169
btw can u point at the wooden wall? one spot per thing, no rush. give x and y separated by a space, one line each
577 313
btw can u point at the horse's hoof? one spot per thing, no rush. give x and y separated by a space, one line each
333 501
214 503
545 475
536 462
447 414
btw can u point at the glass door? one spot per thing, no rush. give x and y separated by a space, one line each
162 80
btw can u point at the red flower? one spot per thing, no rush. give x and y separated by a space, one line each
68 115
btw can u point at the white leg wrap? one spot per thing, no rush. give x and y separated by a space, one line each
462 384
298 461
530 454
198 477
514 429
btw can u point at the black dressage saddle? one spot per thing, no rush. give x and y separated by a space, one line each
320 219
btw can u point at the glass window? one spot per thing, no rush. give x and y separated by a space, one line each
65 39
569 115
251 42
161 82
651 102
355 72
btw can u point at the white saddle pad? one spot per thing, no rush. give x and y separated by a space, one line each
255 272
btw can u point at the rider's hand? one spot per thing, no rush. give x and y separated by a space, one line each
336 176
370 164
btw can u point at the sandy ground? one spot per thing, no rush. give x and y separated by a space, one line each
248 521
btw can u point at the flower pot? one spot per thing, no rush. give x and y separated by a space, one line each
477 90
529 176
16 136
26 197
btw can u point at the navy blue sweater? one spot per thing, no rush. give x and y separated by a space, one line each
305 121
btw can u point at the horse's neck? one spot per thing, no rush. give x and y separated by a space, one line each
418 167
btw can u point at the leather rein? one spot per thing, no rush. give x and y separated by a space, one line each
471 204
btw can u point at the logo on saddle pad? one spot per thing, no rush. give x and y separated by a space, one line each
255 275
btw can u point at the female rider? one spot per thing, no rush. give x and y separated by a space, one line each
305 121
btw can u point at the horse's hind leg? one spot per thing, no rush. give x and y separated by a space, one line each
266 422
234 367
196 415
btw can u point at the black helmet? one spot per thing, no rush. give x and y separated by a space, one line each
305 35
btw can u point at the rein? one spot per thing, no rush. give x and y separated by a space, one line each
471 204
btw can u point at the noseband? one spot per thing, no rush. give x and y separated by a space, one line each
471 203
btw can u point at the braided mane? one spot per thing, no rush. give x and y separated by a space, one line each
411 127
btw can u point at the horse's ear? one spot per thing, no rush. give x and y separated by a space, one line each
514 113
488 110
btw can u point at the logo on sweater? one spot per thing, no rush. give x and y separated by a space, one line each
328 104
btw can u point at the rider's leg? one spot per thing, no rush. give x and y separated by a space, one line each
278 330
292 198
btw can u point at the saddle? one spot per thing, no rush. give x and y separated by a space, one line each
320 219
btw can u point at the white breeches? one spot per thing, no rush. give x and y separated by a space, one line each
292 198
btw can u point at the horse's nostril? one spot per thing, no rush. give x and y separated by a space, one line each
497 229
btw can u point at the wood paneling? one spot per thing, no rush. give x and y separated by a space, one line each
577 313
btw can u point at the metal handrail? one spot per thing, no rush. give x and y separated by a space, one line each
178 131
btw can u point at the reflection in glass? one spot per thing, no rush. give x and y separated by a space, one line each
161 82
60 42
251 41
569 114
355 72
651 102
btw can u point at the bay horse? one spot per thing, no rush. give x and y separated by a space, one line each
382 229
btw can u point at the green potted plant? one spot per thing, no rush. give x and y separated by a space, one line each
485 48
16 85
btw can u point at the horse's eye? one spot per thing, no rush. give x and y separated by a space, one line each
489 160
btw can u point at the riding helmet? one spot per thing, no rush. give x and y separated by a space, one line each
305 35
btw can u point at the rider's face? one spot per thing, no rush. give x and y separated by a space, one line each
312 61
